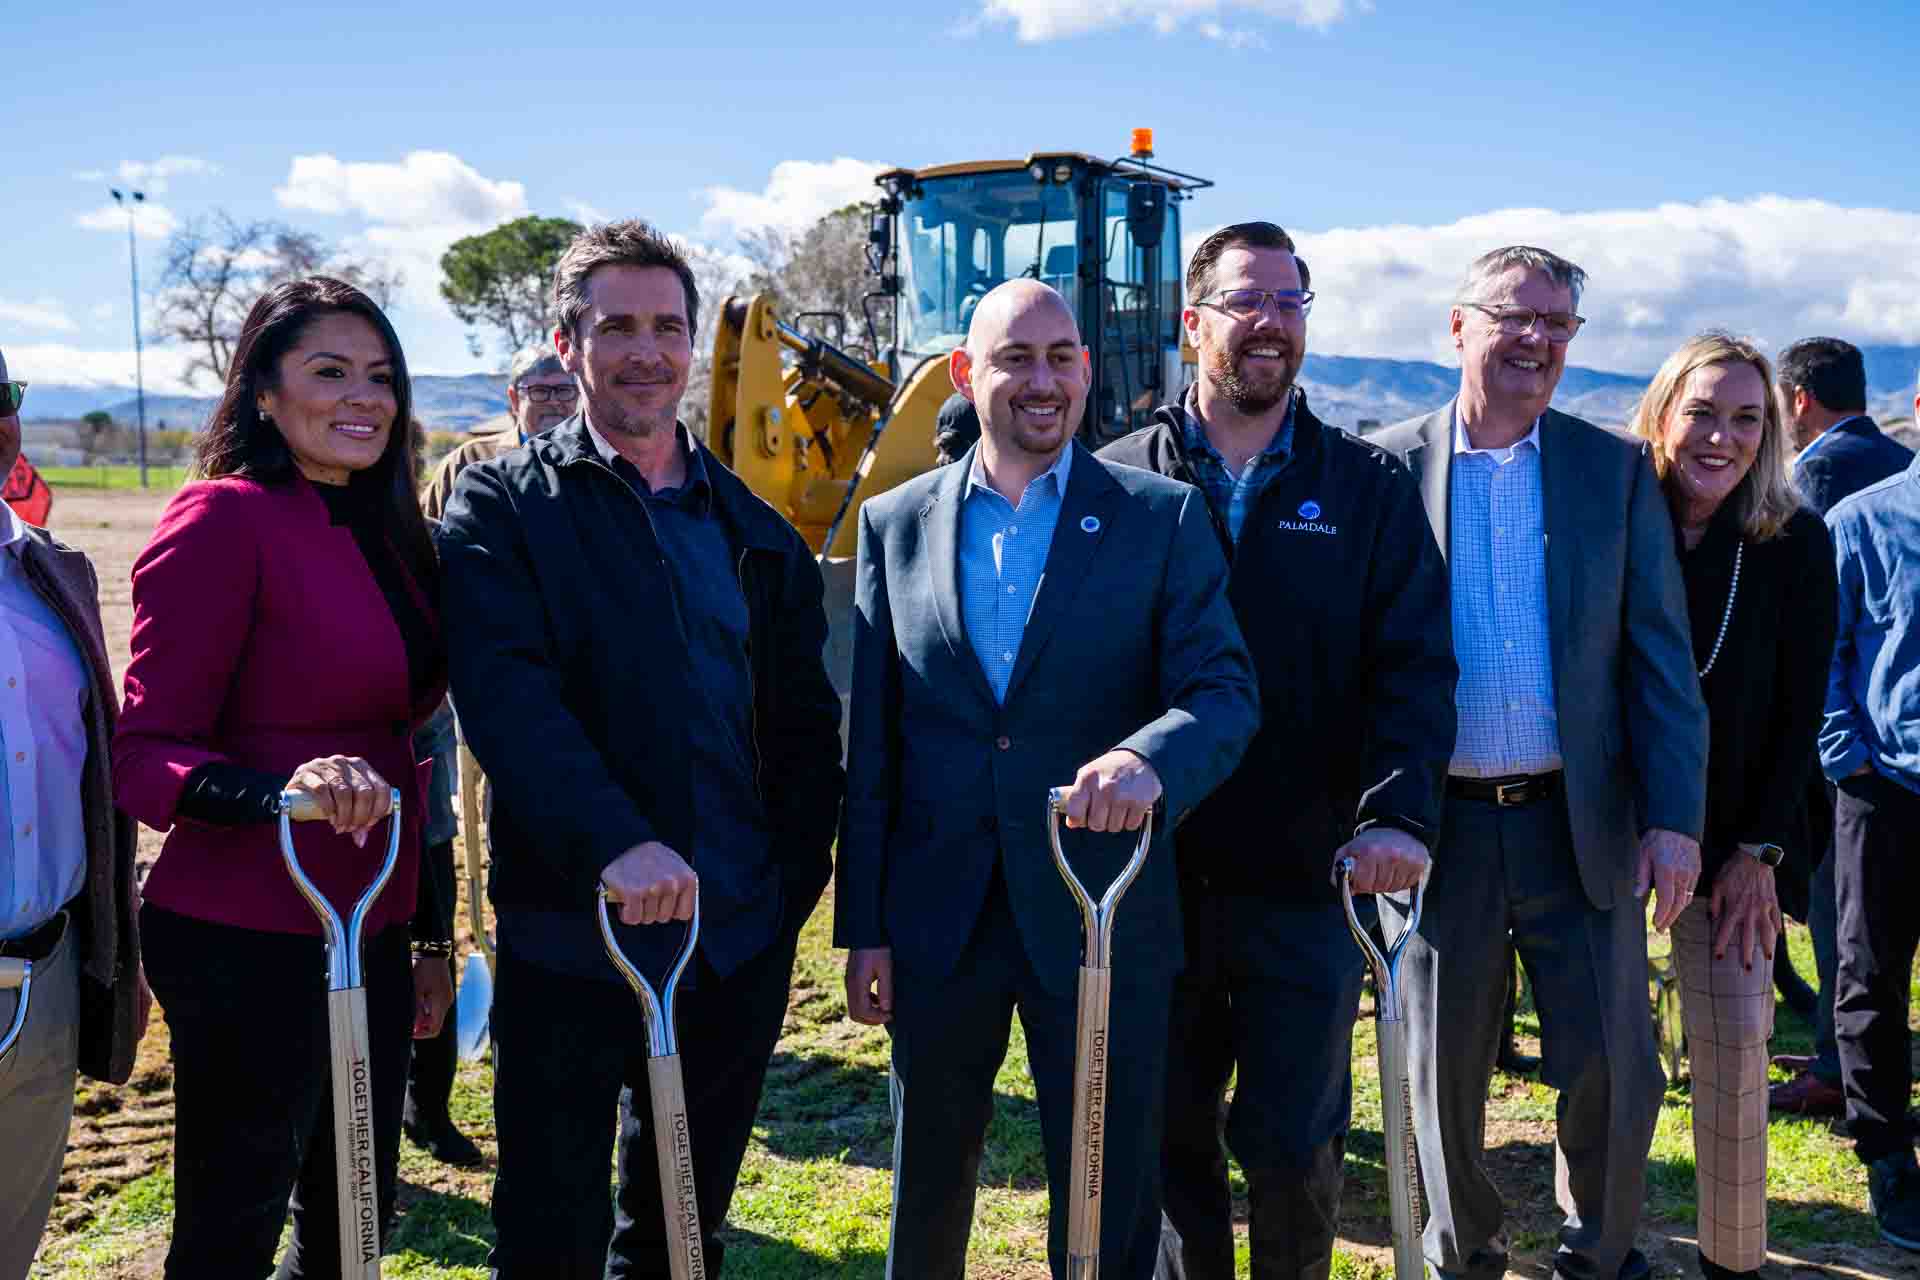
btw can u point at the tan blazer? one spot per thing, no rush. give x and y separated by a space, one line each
109 930
1633 725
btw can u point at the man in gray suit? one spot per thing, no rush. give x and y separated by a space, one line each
1027 617
1577 780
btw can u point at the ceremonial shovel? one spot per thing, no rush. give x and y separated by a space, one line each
15 975
473 1012
672 1146
352 1067
1396 1096
1084 1175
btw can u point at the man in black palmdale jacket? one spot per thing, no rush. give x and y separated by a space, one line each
1341 593
636 654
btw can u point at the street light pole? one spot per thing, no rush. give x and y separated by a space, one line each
139 372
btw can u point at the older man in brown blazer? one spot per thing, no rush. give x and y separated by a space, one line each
71 995
1578 778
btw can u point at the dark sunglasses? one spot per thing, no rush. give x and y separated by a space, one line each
12 395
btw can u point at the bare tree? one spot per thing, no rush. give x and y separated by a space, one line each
822 272
217 268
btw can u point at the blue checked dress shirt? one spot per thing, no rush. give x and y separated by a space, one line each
1231 496
1003 555
1498 559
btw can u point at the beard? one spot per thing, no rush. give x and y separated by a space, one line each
1256 395
610 417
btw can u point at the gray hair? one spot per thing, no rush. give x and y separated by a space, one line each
1489 266
631 243
535 360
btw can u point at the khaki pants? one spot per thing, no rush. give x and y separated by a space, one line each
36 1102
1728 1012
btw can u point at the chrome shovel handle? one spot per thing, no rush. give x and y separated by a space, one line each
1385 964
1096 916
15 974
663 1036
344 969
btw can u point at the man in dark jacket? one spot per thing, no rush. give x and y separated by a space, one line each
1341 593
71 995
1822 388
636 651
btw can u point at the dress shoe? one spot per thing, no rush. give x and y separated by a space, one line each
1514 1062
1632 1267
1714 1271
1893 1189
1807 1095
444 1143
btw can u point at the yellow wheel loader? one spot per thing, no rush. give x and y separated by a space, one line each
816 430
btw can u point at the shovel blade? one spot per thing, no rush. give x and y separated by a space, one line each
473 1008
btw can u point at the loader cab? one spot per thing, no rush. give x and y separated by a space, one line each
1104 233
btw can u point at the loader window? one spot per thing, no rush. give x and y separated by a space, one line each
969 232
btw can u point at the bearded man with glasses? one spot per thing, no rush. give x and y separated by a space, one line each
1356 726
1578 779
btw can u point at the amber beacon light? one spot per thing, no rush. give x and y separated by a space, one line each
1143 144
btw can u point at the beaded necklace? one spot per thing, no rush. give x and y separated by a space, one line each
1733 591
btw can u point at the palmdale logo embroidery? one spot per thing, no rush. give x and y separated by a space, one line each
1309 521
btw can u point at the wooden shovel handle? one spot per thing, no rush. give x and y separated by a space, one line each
673 1147
359 1197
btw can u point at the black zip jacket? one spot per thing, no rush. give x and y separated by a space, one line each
571 675
1342 595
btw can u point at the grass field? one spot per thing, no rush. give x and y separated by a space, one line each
160 478
814 1196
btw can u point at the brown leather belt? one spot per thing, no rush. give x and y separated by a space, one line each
38 944
1515 789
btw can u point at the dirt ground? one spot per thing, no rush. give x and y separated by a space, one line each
121 1134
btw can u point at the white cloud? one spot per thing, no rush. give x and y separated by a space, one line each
1233 37
582 212
425 188
414 210
151 176
1036 20
42 314
798 194
54 362
150 221
1771 267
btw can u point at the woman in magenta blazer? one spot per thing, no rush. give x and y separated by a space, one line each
285 635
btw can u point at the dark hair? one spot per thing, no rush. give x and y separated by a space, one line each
237 442
631 243
1831 371
1247 235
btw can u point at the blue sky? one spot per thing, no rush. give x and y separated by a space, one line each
1753 167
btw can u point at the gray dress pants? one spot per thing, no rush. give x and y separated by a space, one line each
1499 869
36 1102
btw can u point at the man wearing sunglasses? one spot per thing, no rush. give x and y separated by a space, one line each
67 894
1341 594
1578 779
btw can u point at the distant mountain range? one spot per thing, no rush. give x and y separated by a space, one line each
1344 390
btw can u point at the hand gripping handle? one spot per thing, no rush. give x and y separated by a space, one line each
663 1036
343 939
1097 917
15 975
1385 964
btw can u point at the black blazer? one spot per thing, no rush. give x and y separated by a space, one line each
1848 458
1767 690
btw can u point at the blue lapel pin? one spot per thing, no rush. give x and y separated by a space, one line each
1090 524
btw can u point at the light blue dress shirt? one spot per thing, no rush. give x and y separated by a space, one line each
1003 555
43 746
1498 559
1873 688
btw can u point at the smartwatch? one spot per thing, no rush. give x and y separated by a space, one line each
1768 855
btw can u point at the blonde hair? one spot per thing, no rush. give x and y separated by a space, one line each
1765 498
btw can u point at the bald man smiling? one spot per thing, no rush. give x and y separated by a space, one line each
1029 617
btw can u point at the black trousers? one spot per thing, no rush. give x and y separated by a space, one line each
430 1078
566 1051
950 1036
1273 990
253 1104
1876 879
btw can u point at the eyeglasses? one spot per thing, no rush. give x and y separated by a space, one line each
1514 321
12 395
540 394
1241 303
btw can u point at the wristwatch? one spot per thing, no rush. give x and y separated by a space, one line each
1768 855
